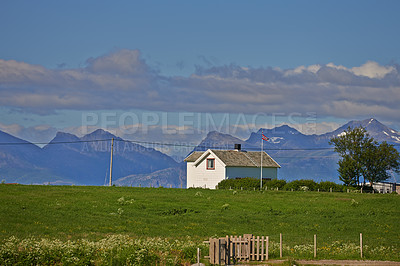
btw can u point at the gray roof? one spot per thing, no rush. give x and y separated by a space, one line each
238 158
194 156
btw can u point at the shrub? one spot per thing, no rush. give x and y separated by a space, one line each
326 186
300 184
367 189
239 183
275 183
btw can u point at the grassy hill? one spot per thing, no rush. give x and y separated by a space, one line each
93 213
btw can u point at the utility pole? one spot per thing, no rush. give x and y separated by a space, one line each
111 160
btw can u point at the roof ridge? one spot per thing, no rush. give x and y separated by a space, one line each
250 159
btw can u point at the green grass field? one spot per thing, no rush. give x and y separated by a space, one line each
93 213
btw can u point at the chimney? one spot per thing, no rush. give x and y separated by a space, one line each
238 147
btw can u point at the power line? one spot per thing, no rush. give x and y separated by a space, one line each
50 143
166 144
223 147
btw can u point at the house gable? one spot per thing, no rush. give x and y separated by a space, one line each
208 154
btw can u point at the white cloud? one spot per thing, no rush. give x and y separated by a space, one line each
340 67
123 80
301 69
35 134
121 63
372 70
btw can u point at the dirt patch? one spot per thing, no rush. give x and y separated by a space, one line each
342 199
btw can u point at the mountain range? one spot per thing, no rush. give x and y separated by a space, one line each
68 159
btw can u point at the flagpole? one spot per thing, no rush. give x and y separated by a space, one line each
261 159
111 160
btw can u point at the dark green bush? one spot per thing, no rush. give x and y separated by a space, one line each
327 185
366 189
238 183
274 184
250 183
302 184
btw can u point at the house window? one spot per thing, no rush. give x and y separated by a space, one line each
210 164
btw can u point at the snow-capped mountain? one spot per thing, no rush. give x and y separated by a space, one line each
375 129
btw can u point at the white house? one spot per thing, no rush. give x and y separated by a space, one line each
207 168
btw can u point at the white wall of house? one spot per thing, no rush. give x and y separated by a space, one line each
190 177
200 176
255 172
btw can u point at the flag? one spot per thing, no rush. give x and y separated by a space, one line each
264 137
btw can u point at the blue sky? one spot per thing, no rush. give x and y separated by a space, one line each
298 62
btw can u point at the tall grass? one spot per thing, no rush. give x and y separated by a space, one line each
113 250
61 213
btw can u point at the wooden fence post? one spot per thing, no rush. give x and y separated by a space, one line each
258 248
212 251
232 249
240 248
262 248
280 245
227 250
315 246
219 251
267 247
248 248
253 241
361 245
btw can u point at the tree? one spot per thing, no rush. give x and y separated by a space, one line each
378 160
348 172
362 156
351 145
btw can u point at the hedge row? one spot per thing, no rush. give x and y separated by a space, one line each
250 183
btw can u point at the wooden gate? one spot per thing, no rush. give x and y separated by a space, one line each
231 249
